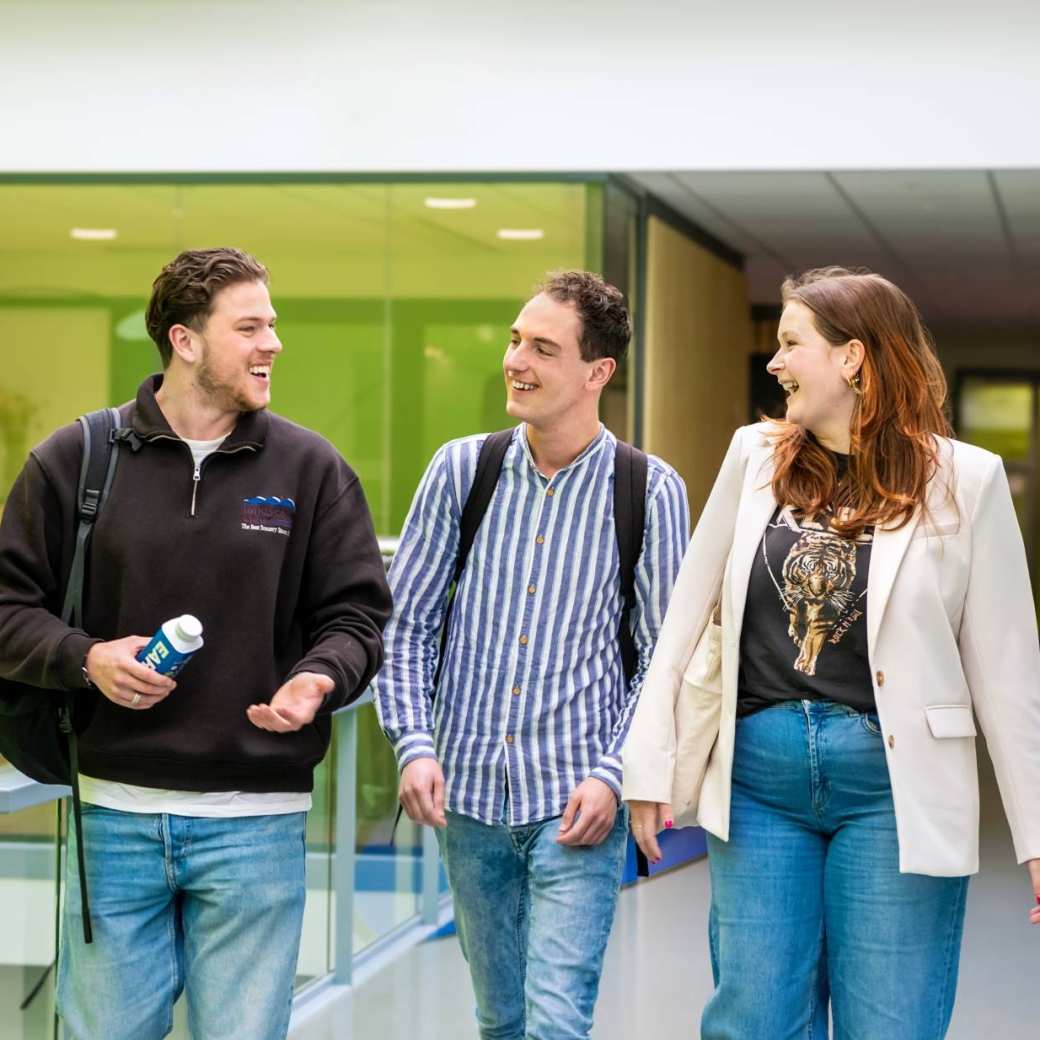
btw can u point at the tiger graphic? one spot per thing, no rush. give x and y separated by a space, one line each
818 576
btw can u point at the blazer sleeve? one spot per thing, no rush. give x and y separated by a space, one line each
1000 656
648 756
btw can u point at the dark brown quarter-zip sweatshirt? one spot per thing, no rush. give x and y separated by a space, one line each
270 544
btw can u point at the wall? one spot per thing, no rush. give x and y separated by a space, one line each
695 368
253 85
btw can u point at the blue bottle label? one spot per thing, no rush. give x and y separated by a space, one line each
160 656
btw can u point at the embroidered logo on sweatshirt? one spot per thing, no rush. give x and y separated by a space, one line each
268 513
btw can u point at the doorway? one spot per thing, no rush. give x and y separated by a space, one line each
998 410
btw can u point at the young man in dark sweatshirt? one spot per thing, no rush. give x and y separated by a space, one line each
196 791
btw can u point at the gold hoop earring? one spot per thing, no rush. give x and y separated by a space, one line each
854 384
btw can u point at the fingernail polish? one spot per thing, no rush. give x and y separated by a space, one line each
667 825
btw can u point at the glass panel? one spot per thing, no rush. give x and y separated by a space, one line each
388 867
27 909
455 286
998 416
316 957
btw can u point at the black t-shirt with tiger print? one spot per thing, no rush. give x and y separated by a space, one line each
805 619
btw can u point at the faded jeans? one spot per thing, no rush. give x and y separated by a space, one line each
808 905
533 918
213 906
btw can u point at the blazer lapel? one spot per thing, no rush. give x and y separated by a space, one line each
756 507
886 554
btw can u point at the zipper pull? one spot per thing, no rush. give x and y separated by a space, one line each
196 477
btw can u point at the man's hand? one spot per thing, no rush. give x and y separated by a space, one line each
589 815
293 705
422 791
114 670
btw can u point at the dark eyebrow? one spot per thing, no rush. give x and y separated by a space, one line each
543 340
254 317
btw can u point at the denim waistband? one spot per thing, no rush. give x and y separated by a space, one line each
817 708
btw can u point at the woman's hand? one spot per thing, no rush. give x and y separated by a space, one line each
648 819
1034 874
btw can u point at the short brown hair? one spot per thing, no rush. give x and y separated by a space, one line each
183 293
606 327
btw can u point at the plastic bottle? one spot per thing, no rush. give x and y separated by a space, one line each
171 648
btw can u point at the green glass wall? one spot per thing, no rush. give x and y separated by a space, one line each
394 304
393 310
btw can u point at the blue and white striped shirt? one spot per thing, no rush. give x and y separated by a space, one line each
532 697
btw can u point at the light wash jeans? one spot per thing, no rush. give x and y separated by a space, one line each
210 906
533 918
808 905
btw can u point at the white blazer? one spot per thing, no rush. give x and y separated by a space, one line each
950 628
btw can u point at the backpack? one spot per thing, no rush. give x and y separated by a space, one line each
630 474
630 469
37 727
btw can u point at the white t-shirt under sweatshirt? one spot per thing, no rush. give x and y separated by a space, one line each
131 798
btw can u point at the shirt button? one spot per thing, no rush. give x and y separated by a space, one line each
509 738
891 741
523 640
530 590
516 691
881 678
551 492
540 539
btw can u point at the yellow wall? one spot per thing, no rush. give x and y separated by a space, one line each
697 342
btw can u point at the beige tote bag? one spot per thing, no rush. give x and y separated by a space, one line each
698 710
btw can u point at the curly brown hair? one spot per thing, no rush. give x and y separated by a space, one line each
184 291
899 411
606 327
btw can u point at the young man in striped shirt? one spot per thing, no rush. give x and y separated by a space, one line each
515 756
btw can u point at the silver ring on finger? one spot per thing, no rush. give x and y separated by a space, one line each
135 700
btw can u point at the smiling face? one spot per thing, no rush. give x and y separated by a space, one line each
546 377
813 372
236 349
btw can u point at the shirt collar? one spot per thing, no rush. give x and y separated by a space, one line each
596 445
149 421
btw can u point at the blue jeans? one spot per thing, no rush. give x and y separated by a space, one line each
210 906
533 918
808 905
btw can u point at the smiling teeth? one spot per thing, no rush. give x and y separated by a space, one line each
517 385
789 388
259 370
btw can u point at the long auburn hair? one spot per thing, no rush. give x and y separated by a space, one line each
897 415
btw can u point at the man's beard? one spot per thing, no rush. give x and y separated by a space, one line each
222 396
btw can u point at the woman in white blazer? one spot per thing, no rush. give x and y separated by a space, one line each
854 596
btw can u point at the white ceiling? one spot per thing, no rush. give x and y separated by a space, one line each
964 244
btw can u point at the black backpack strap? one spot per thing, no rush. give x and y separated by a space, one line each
95 478
630 467
489 466
97 470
